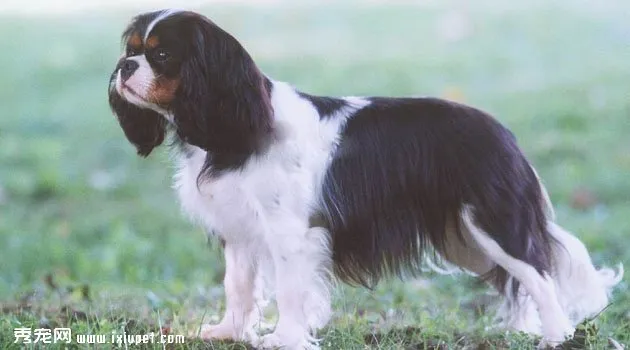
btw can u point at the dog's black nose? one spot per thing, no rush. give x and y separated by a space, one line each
127 69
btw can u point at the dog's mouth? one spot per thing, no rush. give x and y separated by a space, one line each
124 89
132 91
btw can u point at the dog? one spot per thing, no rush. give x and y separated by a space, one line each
304 189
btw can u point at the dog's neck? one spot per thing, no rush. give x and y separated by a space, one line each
295 115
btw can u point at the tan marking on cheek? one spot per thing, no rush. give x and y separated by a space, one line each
162 91
135 41
152 42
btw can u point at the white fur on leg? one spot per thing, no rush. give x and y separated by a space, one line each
317 305
583 290
242 291
556 326
518 313
302 271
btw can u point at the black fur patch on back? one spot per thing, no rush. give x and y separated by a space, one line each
405 167
326 106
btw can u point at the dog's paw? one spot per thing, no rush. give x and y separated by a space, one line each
550 342
270 341
219 331
224 331
275 341
562 331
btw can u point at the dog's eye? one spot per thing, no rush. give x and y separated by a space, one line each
131 52
161 55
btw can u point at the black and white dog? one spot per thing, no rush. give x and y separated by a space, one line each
303 188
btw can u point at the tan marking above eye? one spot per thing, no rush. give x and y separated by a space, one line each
135 41
152 42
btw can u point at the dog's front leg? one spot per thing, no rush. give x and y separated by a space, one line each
301 259
241 301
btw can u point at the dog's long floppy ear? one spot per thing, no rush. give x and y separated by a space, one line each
144 128
223 103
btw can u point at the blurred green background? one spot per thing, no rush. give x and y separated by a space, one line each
79 211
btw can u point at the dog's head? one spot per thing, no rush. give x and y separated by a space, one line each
180 69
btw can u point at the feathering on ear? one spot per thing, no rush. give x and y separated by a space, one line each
223 104
144 128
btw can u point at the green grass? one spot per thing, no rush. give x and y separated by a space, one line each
91 236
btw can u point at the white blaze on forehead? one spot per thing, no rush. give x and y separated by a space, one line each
163 14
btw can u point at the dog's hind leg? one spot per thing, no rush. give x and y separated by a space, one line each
556 326
583 289
517 313
573 266
462 251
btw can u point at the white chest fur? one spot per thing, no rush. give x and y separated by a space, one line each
238 205
282 184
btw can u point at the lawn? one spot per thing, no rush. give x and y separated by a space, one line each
92 237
